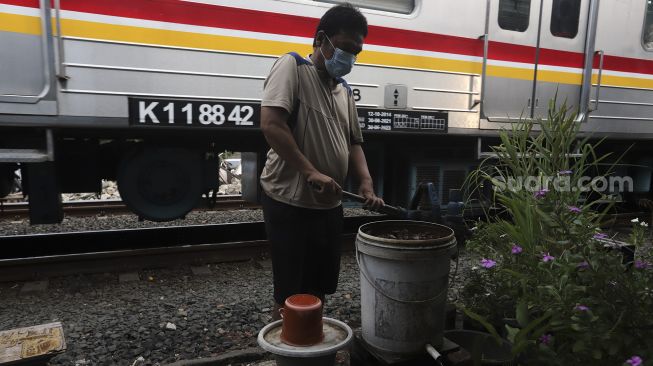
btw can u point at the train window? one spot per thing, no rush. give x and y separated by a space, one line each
514 14
565 15
395 6
647 37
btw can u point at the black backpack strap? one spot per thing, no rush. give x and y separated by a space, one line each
344 83
292 120
299 59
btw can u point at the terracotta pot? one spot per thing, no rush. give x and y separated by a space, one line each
302 320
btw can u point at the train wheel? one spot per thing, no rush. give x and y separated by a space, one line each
161 184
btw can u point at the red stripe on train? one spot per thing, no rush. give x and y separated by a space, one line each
176 11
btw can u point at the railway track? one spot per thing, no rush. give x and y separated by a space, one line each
38 256
94 207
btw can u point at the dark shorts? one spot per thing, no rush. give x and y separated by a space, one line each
305 246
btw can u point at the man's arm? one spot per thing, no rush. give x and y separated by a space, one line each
274 124
358 164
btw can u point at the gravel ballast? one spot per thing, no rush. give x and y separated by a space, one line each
21 226
166 315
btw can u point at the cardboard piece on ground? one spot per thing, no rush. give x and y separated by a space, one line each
26 345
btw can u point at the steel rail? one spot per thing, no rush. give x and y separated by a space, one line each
30 257
93 207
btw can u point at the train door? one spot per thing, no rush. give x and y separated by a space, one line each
26 60
622 98
560 58
511 56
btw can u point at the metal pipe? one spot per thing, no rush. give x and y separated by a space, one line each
536 66
49 142
61 66
624 87
590 43
598 81
433 353
165 71
486 46
451 91
386 209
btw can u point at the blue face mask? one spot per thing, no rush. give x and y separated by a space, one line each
340 63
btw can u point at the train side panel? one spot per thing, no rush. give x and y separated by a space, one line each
625 94
27 74
130 82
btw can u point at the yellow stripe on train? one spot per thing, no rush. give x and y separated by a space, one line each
123 33
20 24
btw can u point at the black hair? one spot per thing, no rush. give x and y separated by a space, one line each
342 18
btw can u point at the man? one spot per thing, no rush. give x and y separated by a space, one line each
308 116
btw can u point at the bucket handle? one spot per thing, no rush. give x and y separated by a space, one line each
367 278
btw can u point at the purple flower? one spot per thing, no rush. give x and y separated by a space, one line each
545 339
516 249
635 361
488 263
581 308
547 257
565 172
541 193
583 265
575 209
600 236
641 264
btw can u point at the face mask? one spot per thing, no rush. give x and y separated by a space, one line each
340 63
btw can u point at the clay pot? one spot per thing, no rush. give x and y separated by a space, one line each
302 320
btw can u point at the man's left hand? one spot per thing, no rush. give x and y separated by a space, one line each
371 200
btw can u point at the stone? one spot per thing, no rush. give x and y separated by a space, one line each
200 270
128 277
171 326
34 286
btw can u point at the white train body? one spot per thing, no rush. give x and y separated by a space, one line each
433 72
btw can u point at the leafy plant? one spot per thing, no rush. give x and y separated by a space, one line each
541 257
638 233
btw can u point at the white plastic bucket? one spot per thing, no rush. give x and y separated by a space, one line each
404 285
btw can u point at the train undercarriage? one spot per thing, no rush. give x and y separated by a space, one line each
162 175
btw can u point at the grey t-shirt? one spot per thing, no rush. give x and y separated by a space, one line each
325 128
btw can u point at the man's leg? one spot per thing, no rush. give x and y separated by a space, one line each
286 231
276 314
323 254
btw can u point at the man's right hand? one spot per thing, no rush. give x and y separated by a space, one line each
324 184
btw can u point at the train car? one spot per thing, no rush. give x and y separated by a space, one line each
148 92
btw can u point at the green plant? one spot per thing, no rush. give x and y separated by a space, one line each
638 232
541 259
